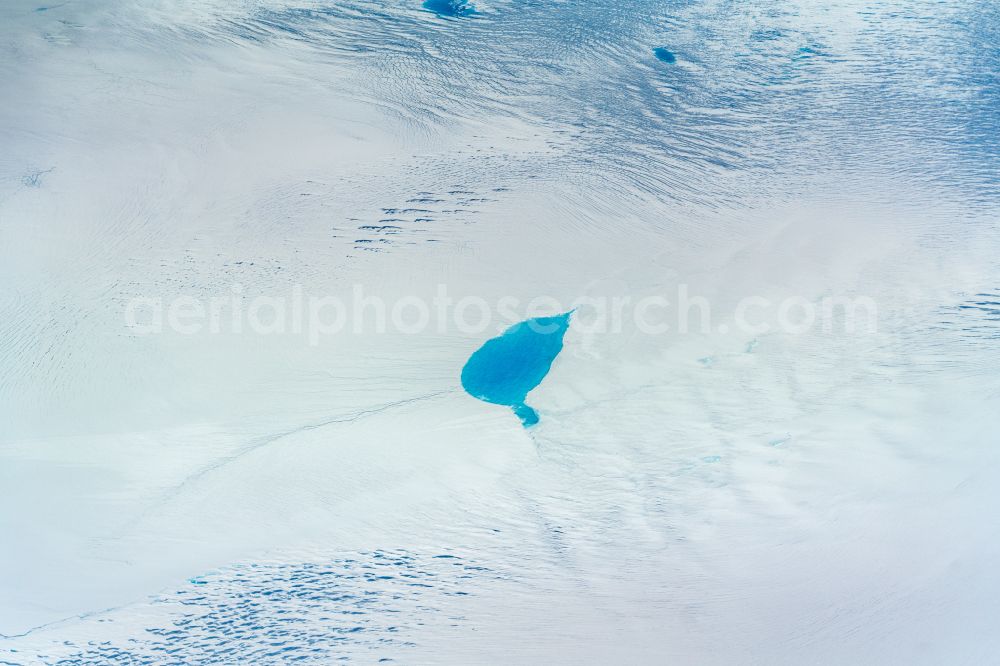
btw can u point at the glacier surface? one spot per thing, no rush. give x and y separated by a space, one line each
709 497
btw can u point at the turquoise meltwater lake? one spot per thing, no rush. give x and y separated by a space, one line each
506 368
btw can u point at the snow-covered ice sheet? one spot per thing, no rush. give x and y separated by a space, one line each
709 496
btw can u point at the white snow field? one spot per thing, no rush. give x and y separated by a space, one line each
715 496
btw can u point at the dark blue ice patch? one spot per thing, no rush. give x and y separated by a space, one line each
507 367
450 7
664 55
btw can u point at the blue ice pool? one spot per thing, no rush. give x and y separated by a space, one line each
450 7
664 55
507 367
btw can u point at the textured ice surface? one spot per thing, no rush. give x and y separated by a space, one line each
366 607
506 368
793 498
